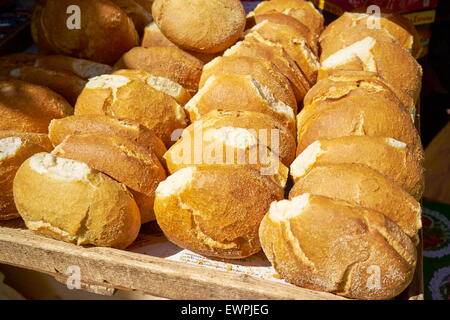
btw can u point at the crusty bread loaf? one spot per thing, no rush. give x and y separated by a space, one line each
60 129
15 148
365 187
66 200
173 89
200 25
82 68
390 157
167 62
261 70
27 107
255 46
294 42
141 17
357 115
225 145
231 92
215 210
65 83
125 161
303 11
104 34
268 130
15 60
330 89
329 245
352 27
122 97
390 61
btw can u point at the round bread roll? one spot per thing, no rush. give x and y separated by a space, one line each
295 43
231 92
365 187
200 25
66 200
104 34
328 245
358 76
122 97
26 107
167 62
364 113
390 61
303 11
330 89
269 131
14 61
123 160
255 46
141 17
65 83
60 129
390 157
261 70
352 27
82 68
225 145
215 210
15 148
173 89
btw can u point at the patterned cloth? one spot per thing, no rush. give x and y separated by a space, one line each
436 254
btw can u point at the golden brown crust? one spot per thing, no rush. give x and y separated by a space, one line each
30 143
65 83
365 187
132 130
168 62
26 107
82 68
15 60
141 17
100 19
200 25
332 246
382 154
219 211
261 70
137 101
91 210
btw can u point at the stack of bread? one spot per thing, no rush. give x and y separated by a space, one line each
351 223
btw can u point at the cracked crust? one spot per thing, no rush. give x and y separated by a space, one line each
92 210
340 246
218 211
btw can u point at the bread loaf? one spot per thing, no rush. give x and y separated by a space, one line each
261 70
225 145
123 160
268 130
15 148
105 31
141 17
167 62
228 92
390 157
122 97
15 60
82 68
66 200
65 83
60 129
27 107
200 25
215 210
329 245
365 187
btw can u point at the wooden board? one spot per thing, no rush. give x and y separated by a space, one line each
104 269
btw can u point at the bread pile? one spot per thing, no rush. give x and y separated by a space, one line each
351 223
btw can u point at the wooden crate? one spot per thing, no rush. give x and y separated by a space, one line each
148 266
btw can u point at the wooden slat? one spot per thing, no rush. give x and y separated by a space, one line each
112 268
